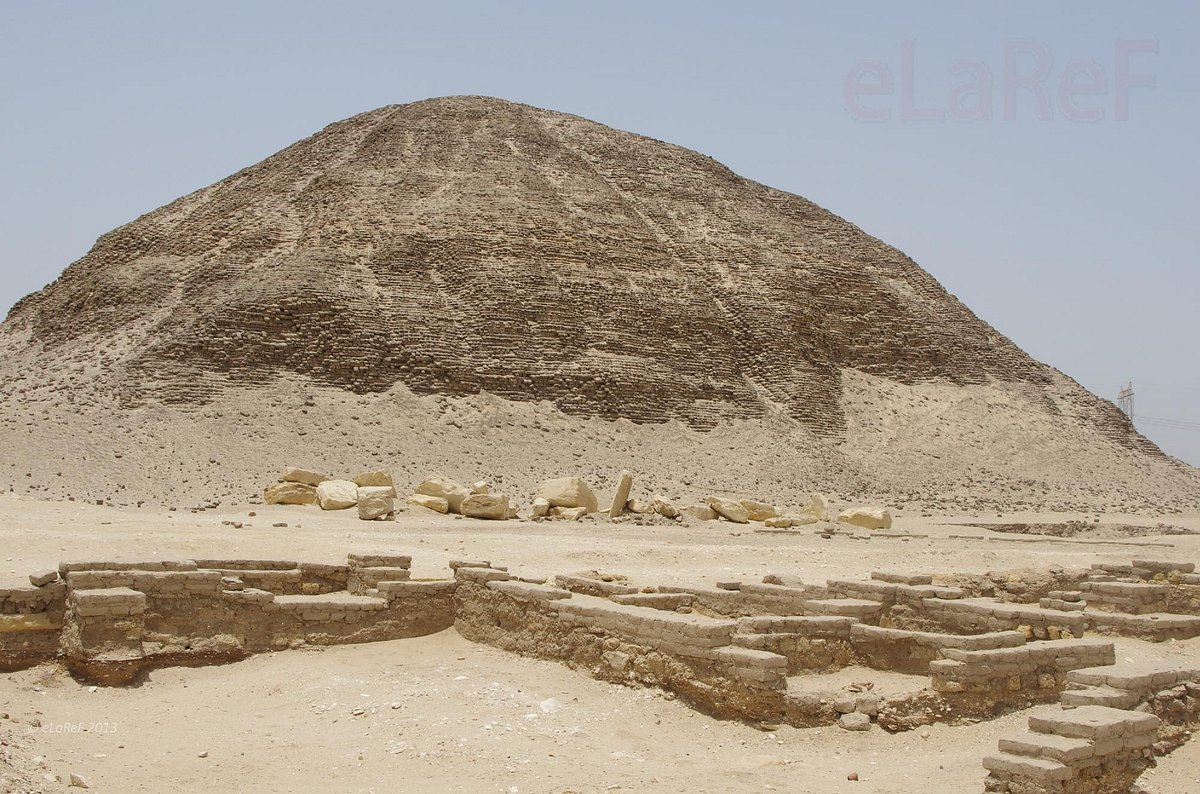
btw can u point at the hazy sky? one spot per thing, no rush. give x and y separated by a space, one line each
1038 158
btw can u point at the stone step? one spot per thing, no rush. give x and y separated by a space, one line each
330 602
1136 676
1164 566
845 607
1062 605
902 578
1049 747
1157 624
1096 723
1125 589
1036 770
1099 696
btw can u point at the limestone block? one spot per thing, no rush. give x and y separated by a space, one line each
305 476
480 575
866 517
568 492
854 721
569 513
375 479
43 578
663 506
480 486
337 494
817 507
290 493
434 503
729 509
108 601
624 486
492 506
378 560
778 522
700 512
540 508
376 501
759 511
639 506
1095 723
445 488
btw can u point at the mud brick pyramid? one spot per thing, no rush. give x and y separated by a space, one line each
469 245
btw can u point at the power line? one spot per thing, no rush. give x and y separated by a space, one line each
1125 400
1172 424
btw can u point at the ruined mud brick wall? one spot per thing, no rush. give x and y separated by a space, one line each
907 651
980 615
188 615
1118 717
810 644
1088 750
688 654
30 621
1133 598
1180 579
103 633
890 594
1168 690
608 628
365 572
746 599
1029 673
282 577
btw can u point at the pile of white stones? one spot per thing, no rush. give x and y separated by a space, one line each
565 498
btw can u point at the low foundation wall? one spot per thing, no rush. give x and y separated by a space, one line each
690 655
31 620
108 621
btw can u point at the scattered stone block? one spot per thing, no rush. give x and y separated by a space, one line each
43 578
639 506
375 479
493 507
854 721
866 517
445 488
540 508
817 507
729 509
304 476
569 513
337 494
290 493
663 507
376 501
480 487
700 513
624 486
758 511
568 492
434 503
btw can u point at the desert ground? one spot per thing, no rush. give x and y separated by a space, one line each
439 713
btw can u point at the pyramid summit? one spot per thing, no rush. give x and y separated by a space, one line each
495 254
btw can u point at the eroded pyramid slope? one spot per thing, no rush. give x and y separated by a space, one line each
468 245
